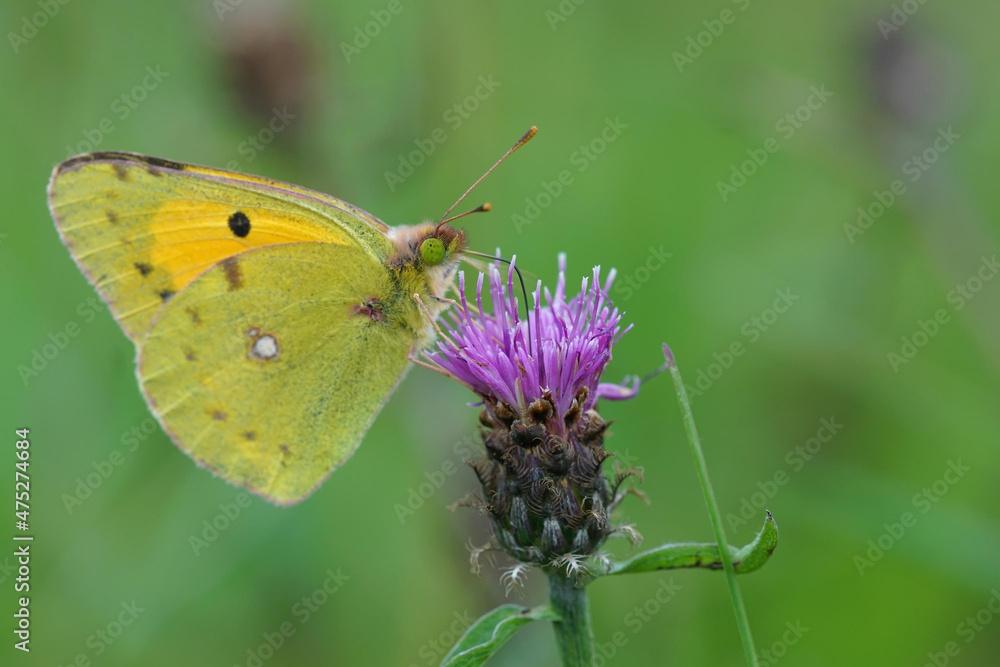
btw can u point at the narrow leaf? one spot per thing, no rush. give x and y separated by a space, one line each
485 637
689 554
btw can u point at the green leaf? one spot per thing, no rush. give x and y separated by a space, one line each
485 637
670 556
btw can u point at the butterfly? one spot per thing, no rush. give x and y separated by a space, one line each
271 322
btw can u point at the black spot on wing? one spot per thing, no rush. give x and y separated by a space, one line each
144 269
112 216
239 224
166 294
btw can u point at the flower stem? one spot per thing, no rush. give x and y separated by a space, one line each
573 631
713 509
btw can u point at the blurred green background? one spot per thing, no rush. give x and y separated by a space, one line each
838 104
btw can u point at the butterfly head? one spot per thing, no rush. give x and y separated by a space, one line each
434 251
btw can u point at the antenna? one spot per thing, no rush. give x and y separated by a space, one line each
482 209
520 142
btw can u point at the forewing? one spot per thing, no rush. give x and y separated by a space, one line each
142 228
269 368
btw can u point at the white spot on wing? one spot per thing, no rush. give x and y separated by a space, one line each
265 348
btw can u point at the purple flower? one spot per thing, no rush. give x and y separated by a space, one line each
539 380
560 354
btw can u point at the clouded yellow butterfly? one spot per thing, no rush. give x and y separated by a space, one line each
271 322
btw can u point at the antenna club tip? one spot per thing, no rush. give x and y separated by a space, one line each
530 133
486 207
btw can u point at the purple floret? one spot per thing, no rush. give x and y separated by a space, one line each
569 348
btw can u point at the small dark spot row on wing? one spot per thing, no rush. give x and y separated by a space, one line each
219 416
144 269
234 275
195 315
112 216
239 224
120 171
190 355
166 294
250 435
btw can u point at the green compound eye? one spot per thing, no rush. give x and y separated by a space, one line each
432 251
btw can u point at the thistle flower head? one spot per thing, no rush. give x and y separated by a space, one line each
539 381
559 354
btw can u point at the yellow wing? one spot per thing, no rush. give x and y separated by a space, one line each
269 368
142 228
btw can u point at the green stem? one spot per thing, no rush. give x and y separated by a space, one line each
573 631
713 509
